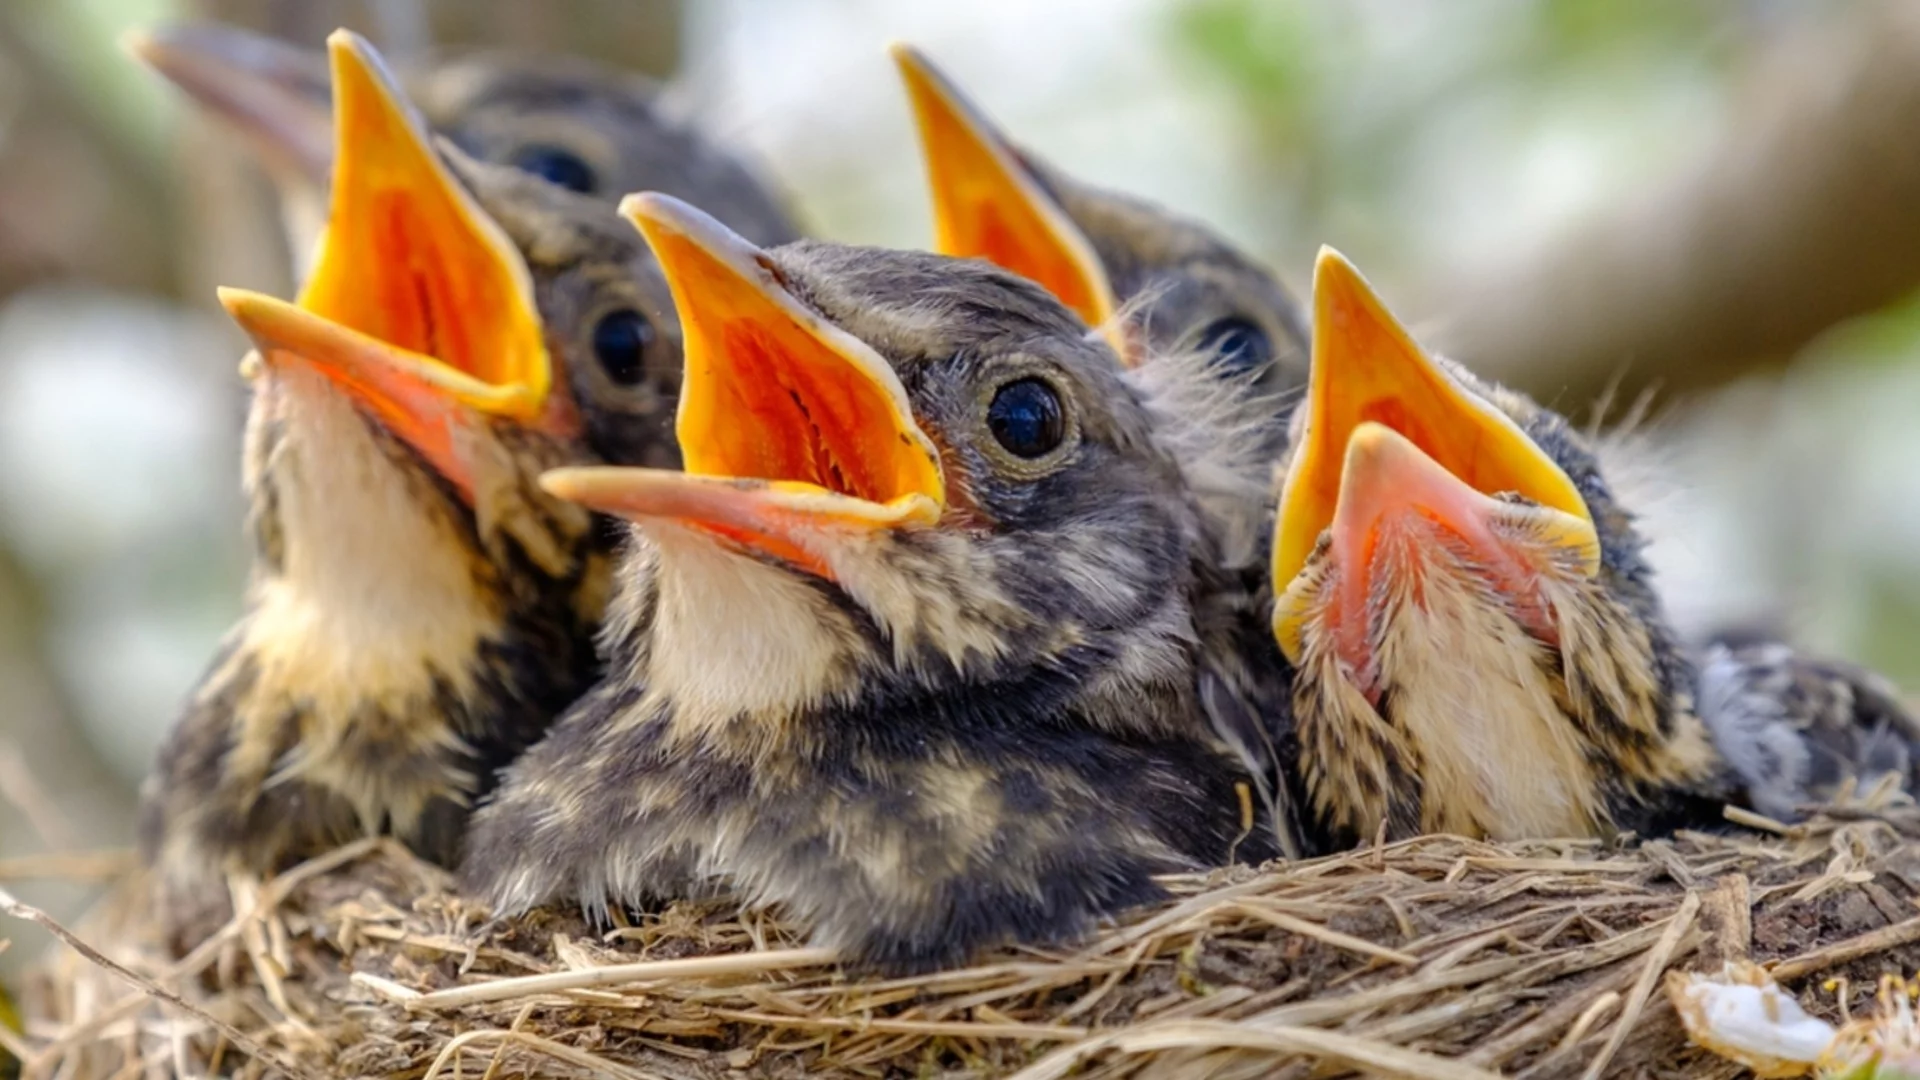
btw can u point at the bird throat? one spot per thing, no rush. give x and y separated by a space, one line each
371 603
1457 721
734 637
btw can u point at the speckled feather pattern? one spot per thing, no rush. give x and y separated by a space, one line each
988 730
1455 739
438 637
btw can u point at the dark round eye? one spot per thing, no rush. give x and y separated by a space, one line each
557 166
1027 418
1236 345
620 341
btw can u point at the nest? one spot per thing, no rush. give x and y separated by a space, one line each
1437 958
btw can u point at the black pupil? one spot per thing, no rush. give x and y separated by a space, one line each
1026 418
1237 346
620 341
557 166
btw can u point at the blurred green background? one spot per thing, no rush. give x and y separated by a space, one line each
1717 203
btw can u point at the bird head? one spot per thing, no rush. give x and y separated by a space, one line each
903 474
587 129
462 325
1454 581
1154 282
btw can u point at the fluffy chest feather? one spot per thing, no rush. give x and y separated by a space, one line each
374 610
1479 704
1459 723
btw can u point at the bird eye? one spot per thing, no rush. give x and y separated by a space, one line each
1236 345
620 341
557 166
1027 418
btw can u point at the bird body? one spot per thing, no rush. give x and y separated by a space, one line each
907 649
1167 292
420 609
1477 644
1797 729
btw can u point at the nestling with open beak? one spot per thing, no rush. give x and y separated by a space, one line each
1478 645
907 648
1155 282
420 609
1168 292
592 130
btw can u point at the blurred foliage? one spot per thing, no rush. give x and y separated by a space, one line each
1342 103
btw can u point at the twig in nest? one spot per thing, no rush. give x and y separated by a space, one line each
1657 961
751 963
207 951
1377 1058
1302 927
11 906
595 1064
87 867
1758 822
1887 937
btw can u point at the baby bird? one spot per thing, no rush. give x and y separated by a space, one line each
1477 642
594 131
1166 291
907 648
419 608
1154 281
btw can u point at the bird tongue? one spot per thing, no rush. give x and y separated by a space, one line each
1388 434
795 434
988 205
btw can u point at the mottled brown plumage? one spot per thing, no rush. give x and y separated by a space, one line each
420 608
594 130
928 681
1478 642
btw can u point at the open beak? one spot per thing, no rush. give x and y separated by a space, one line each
1390 434
795 434
272 92
418 304
988 205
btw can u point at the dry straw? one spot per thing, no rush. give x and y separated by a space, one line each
1438 959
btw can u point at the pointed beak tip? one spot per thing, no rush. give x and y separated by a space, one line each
661 217
1374 443
649 209
235 301
1334 275
561 483
356 63
261 317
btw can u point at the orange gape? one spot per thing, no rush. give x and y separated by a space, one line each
987 205
418 306
1389 435
408 258
789 426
